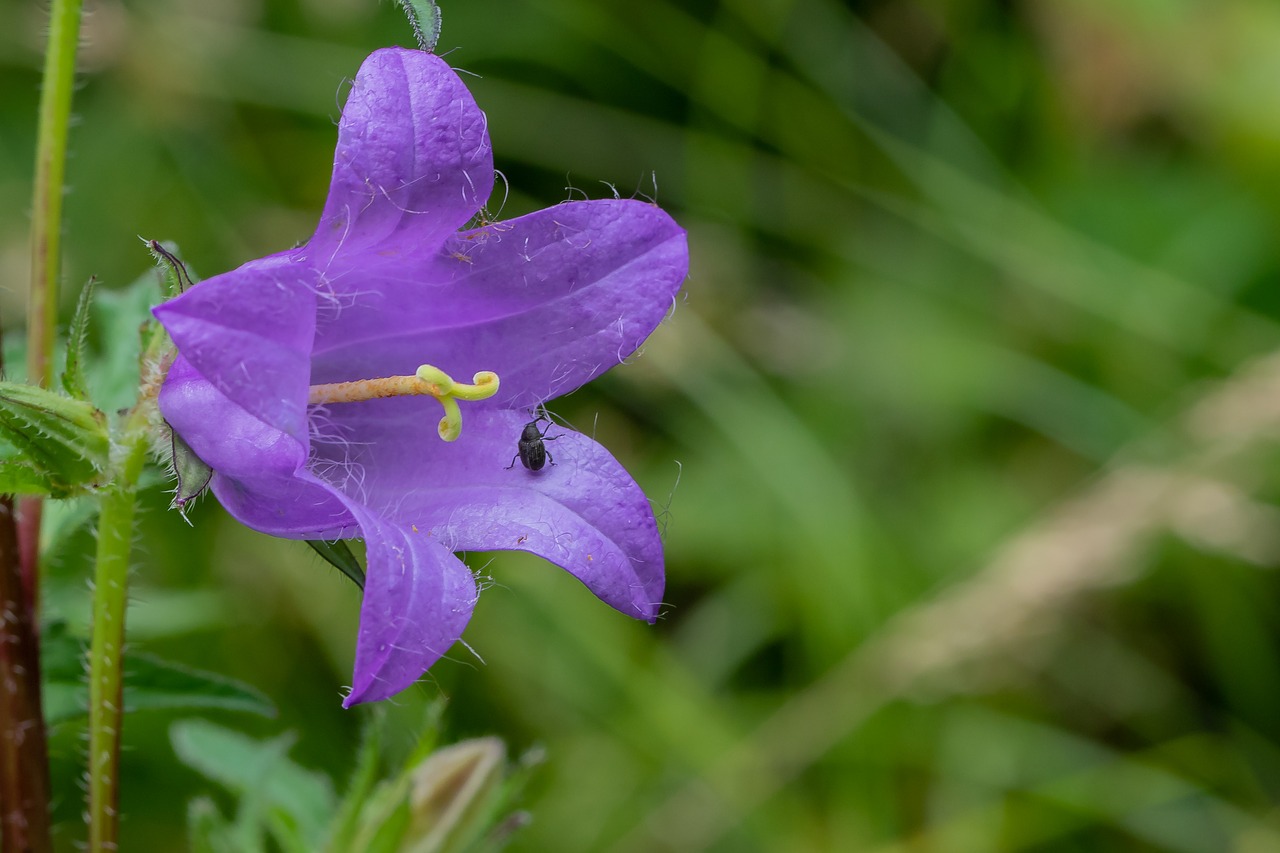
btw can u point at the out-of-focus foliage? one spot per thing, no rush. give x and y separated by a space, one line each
442 800
964 436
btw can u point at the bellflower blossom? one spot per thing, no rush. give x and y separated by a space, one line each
311 380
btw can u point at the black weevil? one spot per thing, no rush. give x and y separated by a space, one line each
532 452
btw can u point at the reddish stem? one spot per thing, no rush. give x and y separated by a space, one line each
24 755
30 509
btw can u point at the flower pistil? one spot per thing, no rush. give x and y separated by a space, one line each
427 380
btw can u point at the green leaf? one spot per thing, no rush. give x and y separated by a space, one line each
65 440
209 832
19 477
294 803
121 318
338 554
77 335
149 683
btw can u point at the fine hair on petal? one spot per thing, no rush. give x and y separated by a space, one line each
330 303
625 354
323 270
563 375
485 581
475 654
404 185
652 199
487 218
573 231
341 469
662 514
345 475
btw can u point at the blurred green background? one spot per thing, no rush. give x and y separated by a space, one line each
964 435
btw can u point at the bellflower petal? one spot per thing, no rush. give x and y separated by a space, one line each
417 599
548 301
255 464
249 333
413 162
387 284
583 513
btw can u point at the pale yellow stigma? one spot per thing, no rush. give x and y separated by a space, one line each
428 380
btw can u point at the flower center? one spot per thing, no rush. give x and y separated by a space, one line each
428 380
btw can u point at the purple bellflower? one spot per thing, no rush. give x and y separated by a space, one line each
311 380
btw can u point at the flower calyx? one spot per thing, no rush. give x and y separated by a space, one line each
428 380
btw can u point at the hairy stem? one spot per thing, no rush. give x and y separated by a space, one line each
24 758
46 202
46 241
106 650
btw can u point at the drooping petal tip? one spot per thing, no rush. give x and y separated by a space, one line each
418 599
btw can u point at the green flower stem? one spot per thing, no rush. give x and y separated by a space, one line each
24 761
46 239
46 202
106 649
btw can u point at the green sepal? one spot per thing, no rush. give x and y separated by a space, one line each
64 441
424 18
338 555
192 472
77 336
177 277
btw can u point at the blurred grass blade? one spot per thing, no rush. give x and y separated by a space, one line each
364 781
